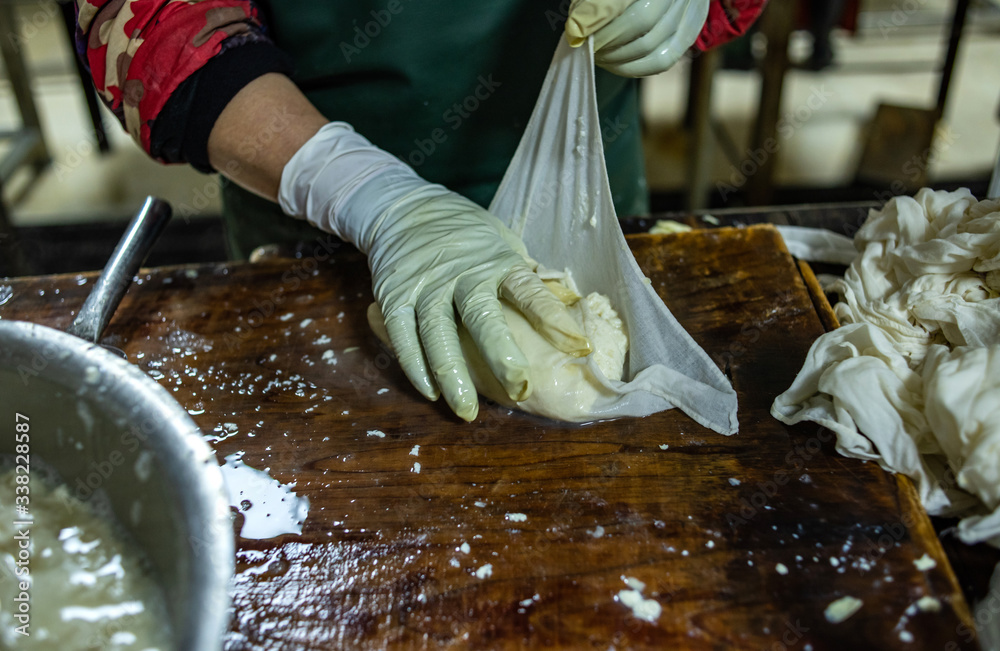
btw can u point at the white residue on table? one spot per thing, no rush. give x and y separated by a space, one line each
269 507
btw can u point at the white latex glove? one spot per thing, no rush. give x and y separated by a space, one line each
637 38
431 252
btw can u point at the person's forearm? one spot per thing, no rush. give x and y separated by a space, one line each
260 130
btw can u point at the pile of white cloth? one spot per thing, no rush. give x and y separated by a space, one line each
911 379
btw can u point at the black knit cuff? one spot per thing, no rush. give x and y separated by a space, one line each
180 132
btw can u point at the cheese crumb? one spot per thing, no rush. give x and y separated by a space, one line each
376 432
781 568
645 609
925 563
485 571
841 609
515 517
667 226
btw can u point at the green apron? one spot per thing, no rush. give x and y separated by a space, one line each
446 86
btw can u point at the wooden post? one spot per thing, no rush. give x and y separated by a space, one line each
700 146
776 24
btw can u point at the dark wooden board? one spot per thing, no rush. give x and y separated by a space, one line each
701 519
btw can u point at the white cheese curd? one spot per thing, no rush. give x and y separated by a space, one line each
564 387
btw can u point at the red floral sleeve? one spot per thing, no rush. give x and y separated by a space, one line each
139 51
728 19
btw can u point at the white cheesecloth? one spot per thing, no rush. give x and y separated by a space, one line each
911 379
556 196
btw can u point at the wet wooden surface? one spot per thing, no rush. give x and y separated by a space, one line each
741 541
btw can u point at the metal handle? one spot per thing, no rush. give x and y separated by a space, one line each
114 281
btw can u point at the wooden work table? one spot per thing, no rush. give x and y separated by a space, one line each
743 541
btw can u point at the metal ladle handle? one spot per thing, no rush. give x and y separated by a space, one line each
114 281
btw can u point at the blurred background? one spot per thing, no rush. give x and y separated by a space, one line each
886 97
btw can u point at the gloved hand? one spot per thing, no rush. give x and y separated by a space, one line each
636 38
431 252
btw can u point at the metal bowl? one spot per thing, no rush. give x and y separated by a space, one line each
104 425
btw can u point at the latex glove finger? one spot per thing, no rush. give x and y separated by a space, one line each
545 312
439 336
401 328
483 317
652 64
648 55
588 16
633 36
635 20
